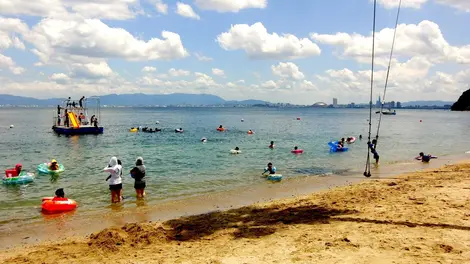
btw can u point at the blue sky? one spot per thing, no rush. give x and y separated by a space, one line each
299 51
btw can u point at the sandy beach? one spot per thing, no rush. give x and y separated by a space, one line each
420 217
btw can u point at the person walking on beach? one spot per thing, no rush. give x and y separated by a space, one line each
115 179
138 173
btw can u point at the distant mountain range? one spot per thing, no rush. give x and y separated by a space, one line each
427 103
163 100
134 100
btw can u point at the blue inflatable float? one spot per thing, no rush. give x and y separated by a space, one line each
334 147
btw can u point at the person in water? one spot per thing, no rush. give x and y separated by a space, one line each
59 194
340 145
18 168
237 148
203 140
425 158
138 173
114 169
53 166
271 145
373 150
221 127
296 148
270 169
250 131
360 137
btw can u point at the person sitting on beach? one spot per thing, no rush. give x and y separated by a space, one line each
114 169
373 151
270 169
271 145
138 173
425 158
53 166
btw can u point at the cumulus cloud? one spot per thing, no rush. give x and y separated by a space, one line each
223 6
8 28
186 11
201 57
258 43
404 3
82 40
287 70
91 70
218 72
423 39
8 63
463 5
161 7
61 78
149 69
178 72
106 9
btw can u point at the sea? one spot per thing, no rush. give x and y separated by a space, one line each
180 166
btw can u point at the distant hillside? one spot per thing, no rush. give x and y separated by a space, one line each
428 103
463 104
134 100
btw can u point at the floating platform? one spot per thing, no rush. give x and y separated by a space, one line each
82 130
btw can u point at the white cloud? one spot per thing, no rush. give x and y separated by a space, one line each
106 9
186 11
218 72
83 40
405 3
463 5
201 57
61 78
149 69
8 28
230 5
258 43
424 39
178 73
287 70
8 63
161 7
91 70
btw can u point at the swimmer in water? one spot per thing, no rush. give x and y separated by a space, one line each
272 145
237 148
360 137
203 140
425 158
270 169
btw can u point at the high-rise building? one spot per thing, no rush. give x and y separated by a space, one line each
398 104
378 103
335 102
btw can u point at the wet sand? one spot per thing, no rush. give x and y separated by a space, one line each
418 217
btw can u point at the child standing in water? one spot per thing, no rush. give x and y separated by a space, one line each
115 179
138 173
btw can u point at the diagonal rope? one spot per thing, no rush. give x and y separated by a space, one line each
367 168
388 72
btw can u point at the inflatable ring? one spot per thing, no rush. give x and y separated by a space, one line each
23 178
334 147
44 168
274 177
57 205
233 151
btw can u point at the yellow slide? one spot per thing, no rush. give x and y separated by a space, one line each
74 120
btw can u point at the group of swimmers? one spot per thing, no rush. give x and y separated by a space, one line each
114 179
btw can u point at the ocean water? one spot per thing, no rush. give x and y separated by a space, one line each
179 165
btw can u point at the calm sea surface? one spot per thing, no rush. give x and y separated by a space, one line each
179 165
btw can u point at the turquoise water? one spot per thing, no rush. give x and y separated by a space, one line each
179 165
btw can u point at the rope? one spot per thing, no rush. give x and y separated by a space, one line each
367 168
388 72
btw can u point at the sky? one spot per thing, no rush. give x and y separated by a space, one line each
297 51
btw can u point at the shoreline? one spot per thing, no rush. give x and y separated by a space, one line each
418 217
62 226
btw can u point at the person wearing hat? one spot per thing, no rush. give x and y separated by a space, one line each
53 165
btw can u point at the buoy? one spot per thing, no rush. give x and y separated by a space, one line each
12 126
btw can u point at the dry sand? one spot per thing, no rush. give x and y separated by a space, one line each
421 217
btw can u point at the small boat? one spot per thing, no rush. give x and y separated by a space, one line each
389 112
